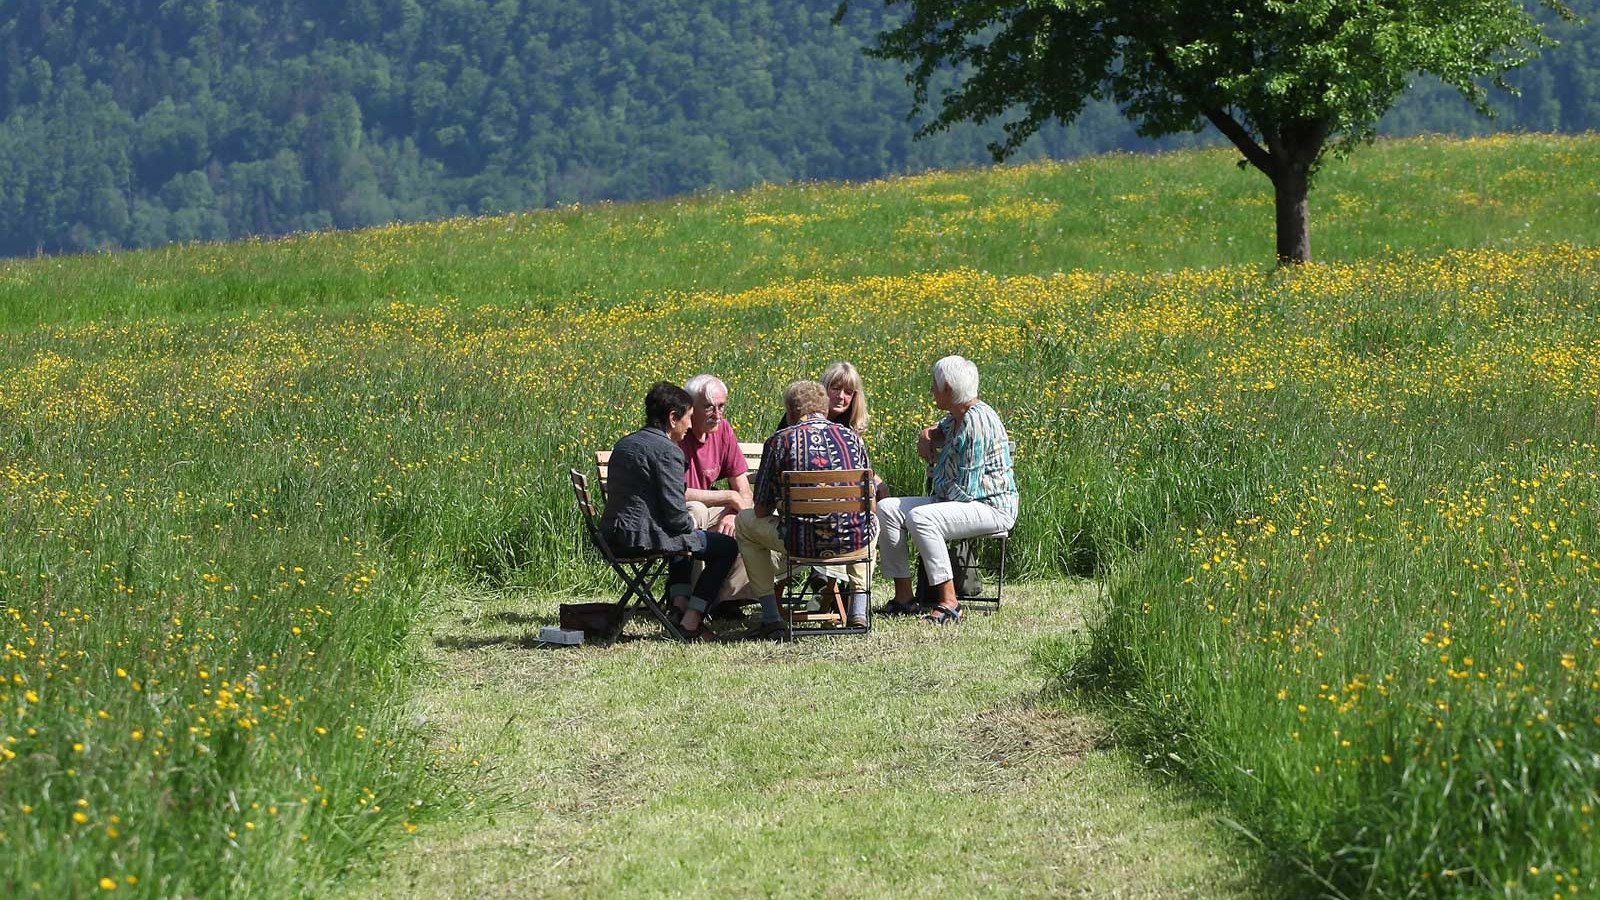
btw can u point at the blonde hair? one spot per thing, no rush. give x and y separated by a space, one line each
842 374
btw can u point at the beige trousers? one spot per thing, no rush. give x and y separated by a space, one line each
737 585
761 549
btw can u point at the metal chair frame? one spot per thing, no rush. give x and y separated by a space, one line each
990 570
823 493
640 575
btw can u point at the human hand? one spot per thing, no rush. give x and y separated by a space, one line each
724 526
737 502
925 448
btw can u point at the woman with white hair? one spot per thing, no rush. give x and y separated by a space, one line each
974 492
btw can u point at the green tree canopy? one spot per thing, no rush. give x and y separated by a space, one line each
1285 81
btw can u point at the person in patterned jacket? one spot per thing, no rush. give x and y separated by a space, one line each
810 444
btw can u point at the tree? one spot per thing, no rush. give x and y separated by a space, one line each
1286 81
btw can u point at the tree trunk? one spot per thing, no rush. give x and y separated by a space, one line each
1291 152
1289 188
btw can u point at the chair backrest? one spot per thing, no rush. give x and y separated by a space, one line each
602 467
580 491
826 493
752 457
602 463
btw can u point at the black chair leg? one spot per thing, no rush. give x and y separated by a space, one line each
639 596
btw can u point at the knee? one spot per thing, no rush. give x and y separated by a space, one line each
924 524
889 511
743 522
721 546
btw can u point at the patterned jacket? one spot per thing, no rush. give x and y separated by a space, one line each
814 445
975 463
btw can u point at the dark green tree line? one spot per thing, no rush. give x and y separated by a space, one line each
143 122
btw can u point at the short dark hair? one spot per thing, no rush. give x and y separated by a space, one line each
665 401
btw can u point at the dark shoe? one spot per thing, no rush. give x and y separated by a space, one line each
701 635
896 608
767 631
943 615
725 611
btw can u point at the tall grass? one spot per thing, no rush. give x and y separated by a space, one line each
1115 213
229 472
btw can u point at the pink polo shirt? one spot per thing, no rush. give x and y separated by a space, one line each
716 458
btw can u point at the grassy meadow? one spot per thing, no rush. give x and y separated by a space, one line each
912 762
1345 514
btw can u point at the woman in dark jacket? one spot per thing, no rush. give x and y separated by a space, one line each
646 513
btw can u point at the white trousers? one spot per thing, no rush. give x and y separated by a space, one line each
930 523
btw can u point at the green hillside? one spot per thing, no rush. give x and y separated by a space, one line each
1344 515
143 123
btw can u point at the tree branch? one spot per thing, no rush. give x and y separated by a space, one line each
1218 117
1233 131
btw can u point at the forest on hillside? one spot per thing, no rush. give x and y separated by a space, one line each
142 122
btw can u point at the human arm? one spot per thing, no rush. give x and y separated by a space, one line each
742 499
930 441
764 495
734 499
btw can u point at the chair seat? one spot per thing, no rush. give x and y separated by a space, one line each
645 557
853 556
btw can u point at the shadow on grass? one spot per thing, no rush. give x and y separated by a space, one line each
515 618
529 639
526 641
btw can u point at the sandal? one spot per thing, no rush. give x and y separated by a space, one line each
896 608
943 615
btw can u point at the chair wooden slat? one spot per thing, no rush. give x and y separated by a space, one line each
814 617
837 476
752 458
827 507
856 556
799 492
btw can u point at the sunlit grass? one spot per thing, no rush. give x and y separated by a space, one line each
1366 488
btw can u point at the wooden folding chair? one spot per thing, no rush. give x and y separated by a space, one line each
641 576
815 494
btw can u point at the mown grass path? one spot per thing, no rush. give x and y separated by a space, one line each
916 761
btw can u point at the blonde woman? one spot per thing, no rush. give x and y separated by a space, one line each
847 399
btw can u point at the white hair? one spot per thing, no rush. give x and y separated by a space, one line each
959 375
700 385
